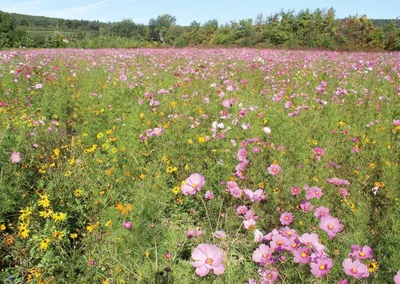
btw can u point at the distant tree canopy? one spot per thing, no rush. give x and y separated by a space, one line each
288 29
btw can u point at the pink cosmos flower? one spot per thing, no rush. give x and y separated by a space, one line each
338 181
262 255
257 195
127 225
343 192
288 232
258 235
242 154
331 225
236 192
358 253
251 215
314 192
319 151
206 258
274 169
38 86
310 240
279 242
15 157
321 267
226 103
302 255
220 234
397 278
209 195
321 212
306 206
286 218
356 268
249 224
241 210
344 281
193 184
295 190
269 276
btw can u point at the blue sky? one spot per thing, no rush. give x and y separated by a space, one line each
186 11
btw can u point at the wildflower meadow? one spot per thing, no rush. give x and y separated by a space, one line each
199 166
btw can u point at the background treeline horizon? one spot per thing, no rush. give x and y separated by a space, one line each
286 29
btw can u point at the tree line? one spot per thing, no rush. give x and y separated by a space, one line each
287 29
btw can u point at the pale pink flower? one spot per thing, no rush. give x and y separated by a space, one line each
242 154
257 195
209 195
295 190
321 212
262 255
314 192
286 218
274 169
193 184
302 255
358 253
15 157
241 210
208 258
356 268
331 225
321 267
397 278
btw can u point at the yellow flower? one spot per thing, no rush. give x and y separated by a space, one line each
190 141
201 140
92 227
176 190
67 173
147 253
315 142
142 176
56 152
173 103
141 115
24 231
109 223
100 135
25 213
46 214
78 192
372 266
59 216
44 244
372 166
58 235
170 169
73 235
2 227
114 150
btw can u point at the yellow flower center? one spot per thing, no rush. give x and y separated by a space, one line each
362 254
194 185
353 270
322 267
209 261
279 243
265 255
330 227
304 255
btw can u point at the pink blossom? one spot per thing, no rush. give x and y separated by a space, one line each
331 225
356 268
242 154
236 192
15 157
314 192
286 218
274 169
397 278
257 195
319 151
343 192
358 253
279 242
295 190
241 210
258 235
250 214
306 206
249 224
321 212
38 86
310 240
226 103
127 225
193 184
321 267
269 276
262 255
209 195
206 258
301 255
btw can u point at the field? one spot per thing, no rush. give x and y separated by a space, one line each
199 166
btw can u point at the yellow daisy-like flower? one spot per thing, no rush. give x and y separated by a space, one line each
78 192
2 227
100 135
372 266
25 213
169 170
190 141
44 244
176 190
58 235
315 142
108 223
46 213
372 166
73 235
44 201
201 140
114 150
59 216
56 152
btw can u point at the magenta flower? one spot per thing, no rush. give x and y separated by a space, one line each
321 212
331 225
344 281
241 210
343 192
321 266
262 255
257 195
356 268
236 192
295 190
274 169
286 218
209 195
279 242
302 255
193 184
357 253
397 278
314 192
319 151
206 258
251 215
242 154
127 225
15 157
269 276
306 206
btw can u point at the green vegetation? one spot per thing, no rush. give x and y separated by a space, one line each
286 29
